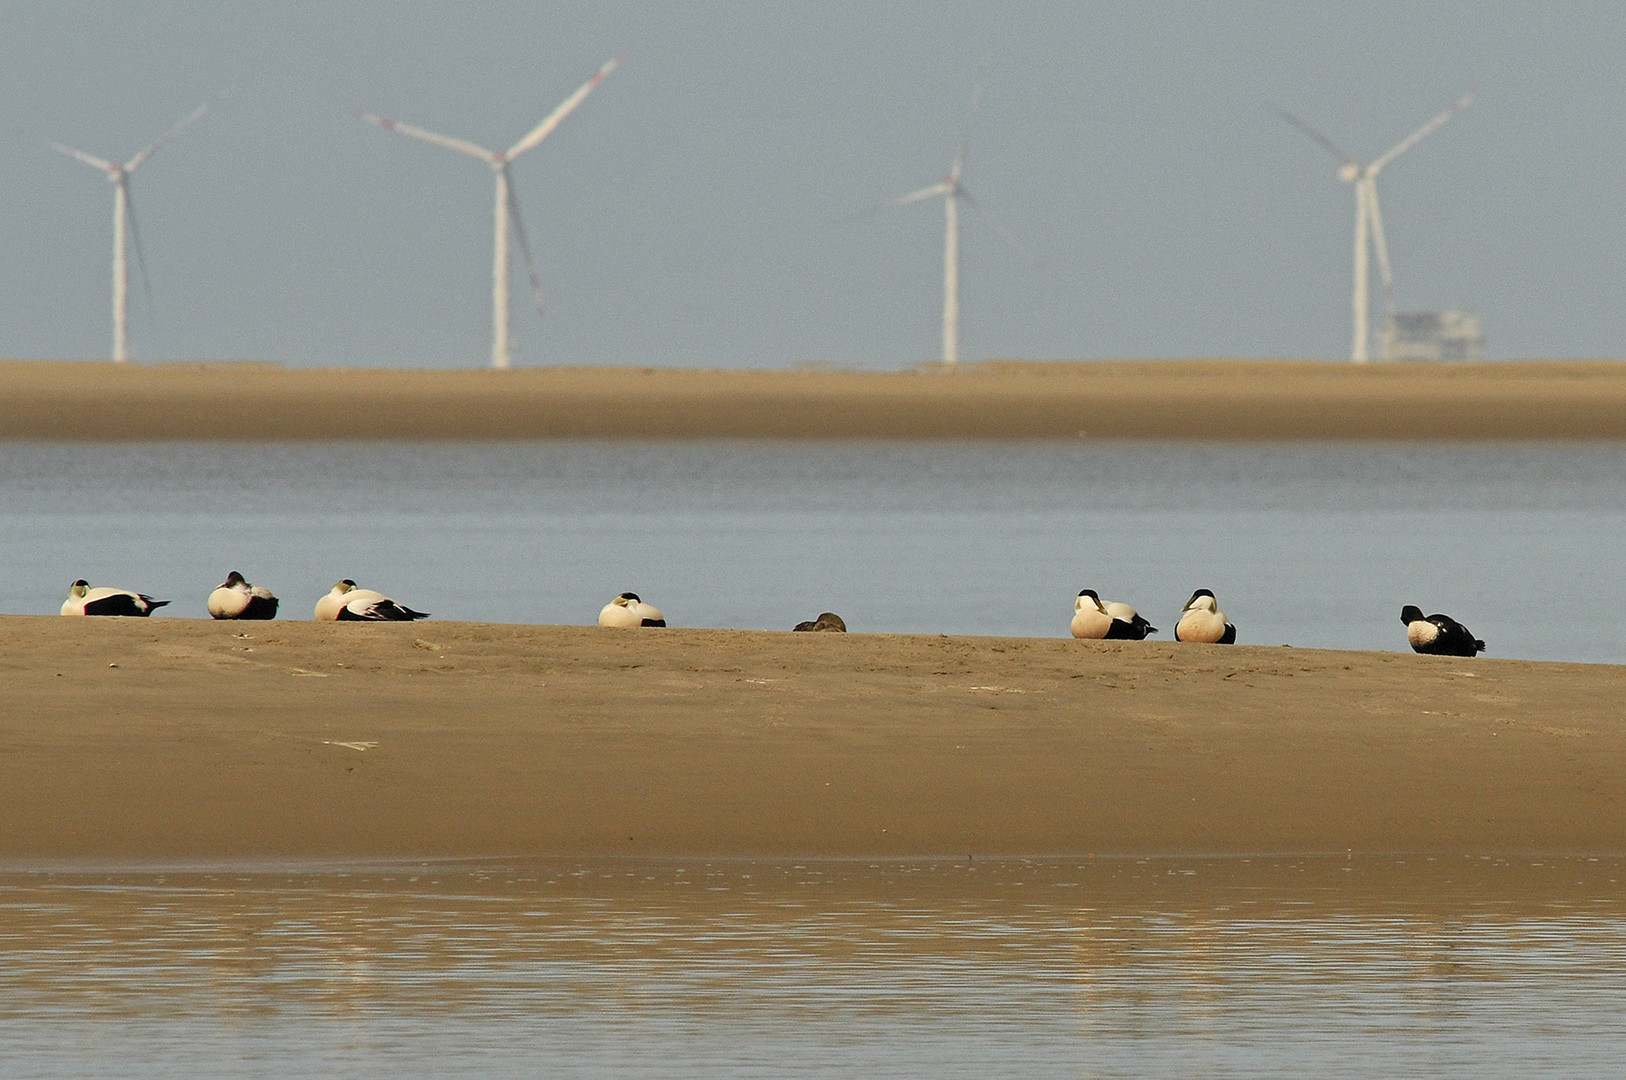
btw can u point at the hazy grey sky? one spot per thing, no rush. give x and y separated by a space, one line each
697 209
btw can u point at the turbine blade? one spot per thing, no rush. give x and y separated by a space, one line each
1379 243
1000 227
186 121
135 242
970 117
921 196
462 146
873 211
1425 131
518 223
1317 136
566 107
80 155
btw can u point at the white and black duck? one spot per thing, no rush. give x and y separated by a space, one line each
1438 635
84 600
627 610
1106 620
347 603
1201 620
237 599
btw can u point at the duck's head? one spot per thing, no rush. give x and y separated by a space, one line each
1088 598
233 579
344 586
1411 613
79 588
626 599
1201 600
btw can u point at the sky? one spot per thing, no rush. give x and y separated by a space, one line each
708 205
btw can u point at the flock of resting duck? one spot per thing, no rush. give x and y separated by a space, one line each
1201 620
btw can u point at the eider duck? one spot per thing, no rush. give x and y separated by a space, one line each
237 599
1202 620
1104 620
627 610
1438 635
83 600
346 603
828 622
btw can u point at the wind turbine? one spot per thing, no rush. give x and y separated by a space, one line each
1368 220
507 203
124 222
951 190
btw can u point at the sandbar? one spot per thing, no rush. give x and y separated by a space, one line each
1154 399
178 739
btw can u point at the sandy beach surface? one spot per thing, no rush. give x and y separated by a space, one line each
174 739
1199 399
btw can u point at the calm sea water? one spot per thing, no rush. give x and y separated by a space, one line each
1310 545
1157 968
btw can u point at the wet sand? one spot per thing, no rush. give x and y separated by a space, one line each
182 739
1199 399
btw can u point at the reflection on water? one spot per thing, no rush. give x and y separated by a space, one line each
1106 968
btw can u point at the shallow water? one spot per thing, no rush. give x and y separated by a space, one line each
1219 968
1308 544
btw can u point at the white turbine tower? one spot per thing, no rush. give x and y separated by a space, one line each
124 223
1368 220
951 191
507 203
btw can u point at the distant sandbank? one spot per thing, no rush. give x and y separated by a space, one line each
187 739
1161 399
